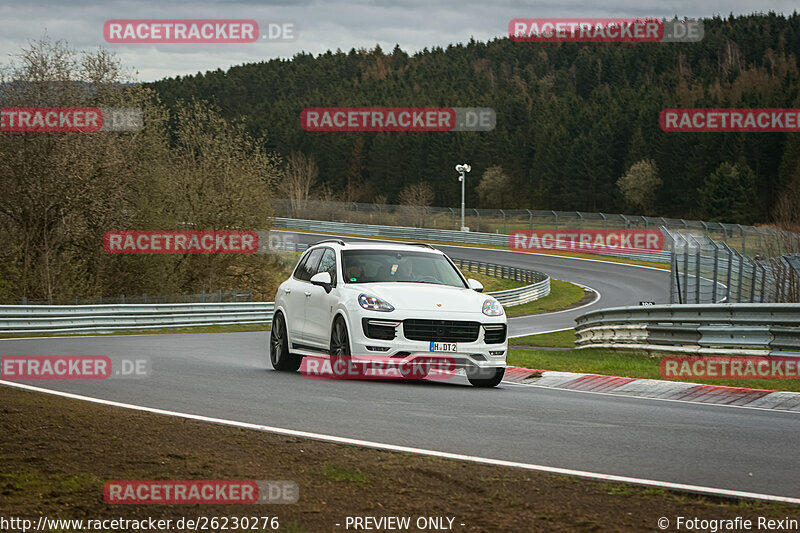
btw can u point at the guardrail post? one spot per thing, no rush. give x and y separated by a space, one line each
763 279
674 277
686 271
753 285
714 285
730 266
555 215
744 239
530 219
741 277
697 275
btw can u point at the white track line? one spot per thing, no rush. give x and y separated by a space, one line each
420 451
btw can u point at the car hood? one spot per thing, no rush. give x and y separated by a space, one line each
425 296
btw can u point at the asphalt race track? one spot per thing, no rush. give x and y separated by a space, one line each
225 376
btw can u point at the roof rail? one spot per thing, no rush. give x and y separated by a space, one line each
425 244
337 241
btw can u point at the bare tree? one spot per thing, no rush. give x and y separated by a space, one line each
60 188
63 190
299 177
416 198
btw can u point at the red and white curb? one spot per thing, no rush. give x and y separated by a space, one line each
657 389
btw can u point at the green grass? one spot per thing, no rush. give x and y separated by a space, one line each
492 284
625 363
557 339
562 294
339 473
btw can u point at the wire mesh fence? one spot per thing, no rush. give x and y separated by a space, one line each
707 271
747 240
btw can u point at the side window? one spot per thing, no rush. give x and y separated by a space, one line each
328 264
309 266
300 266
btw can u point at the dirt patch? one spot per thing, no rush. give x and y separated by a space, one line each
57 454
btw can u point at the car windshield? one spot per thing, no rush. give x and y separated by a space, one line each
381 266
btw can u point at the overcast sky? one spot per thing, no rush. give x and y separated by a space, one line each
321 26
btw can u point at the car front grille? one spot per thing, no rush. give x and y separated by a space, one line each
440 330
494 333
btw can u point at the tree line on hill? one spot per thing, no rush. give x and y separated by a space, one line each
577 124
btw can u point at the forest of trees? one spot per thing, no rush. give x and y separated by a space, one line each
572 119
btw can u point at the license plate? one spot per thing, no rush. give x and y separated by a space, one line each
444 347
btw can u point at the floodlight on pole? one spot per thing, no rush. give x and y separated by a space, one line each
462 169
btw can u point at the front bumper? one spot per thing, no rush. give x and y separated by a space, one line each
369 337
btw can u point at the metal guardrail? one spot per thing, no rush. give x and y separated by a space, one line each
428 234
702 329
20 319
539 288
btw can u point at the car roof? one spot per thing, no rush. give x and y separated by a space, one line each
389 246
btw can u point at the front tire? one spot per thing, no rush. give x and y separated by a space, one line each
485 377
341 360
279 354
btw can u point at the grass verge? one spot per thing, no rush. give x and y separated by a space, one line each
562 295
624 363
557 339
493 284
58 453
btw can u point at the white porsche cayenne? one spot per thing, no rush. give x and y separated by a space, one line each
399 301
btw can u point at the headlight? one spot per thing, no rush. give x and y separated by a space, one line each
492 307
374 304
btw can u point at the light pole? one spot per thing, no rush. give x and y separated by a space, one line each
461 169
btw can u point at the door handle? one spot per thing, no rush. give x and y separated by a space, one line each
287 290
308 293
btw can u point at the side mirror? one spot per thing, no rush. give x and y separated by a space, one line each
474 284
322 279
